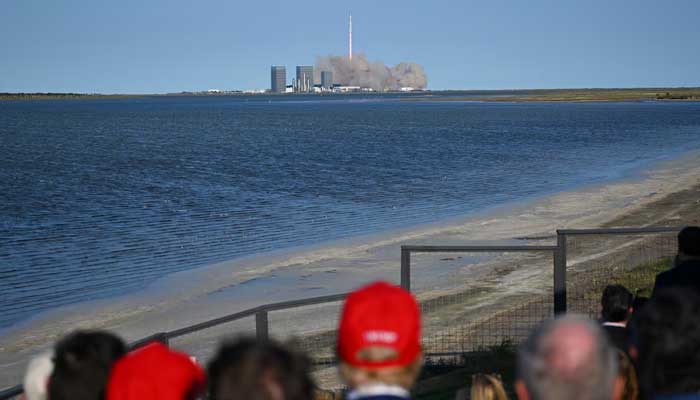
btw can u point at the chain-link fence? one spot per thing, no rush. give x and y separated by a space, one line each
495 295
203 344
630 257
311 329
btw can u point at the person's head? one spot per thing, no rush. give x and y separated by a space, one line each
639 302
82 364
626 372
253 370
36 379
487 387
667 340
379 337
689 242
616 303
155 372
567 358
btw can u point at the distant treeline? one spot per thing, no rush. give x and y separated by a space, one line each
678 96
568 95
546 95
49 96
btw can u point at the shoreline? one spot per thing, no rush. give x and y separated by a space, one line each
497 95
331 268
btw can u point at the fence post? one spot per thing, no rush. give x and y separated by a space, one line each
405 268
560 274
160 337
261 326
163 338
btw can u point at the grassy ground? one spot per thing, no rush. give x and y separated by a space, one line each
546 95
639 281
60 96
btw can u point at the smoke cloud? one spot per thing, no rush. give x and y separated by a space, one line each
376 75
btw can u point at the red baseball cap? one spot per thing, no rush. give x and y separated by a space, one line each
382 315
155 372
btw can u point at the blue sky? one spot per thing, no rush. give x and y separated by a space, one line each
162 46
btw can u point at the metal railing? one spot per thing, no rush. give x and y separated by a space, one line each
261 327
11 392
559 253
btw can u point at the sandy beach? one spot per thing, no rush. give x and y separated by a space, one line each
665 194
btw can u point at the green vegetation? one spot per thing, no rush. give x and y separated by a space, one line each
639 280
534 95
679 95
60 96
571 95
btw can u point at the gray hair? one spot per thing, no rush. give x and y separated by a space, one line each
568 358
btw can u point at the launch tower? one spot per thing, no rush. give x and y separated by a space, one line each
350 39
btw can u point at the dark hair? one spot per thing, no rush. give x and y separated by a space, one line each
616 302
639 302
667 332
251 370
689 241
82 362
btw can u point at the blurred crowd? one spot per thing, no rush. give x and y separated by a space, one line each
641 348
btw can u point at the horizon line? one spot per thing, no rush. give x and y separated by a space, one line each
223 91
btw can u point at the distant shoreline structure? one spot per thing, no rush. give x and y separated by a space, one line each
517 95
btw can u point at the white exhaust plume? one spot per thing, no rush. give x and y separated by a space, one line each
358 71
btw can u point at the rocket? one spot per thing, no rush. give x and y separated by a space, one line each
350 40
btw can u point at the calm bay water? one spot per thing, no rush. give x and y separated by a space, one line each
100 198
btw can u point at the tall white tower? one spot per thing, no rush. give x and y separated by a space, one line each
350 40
